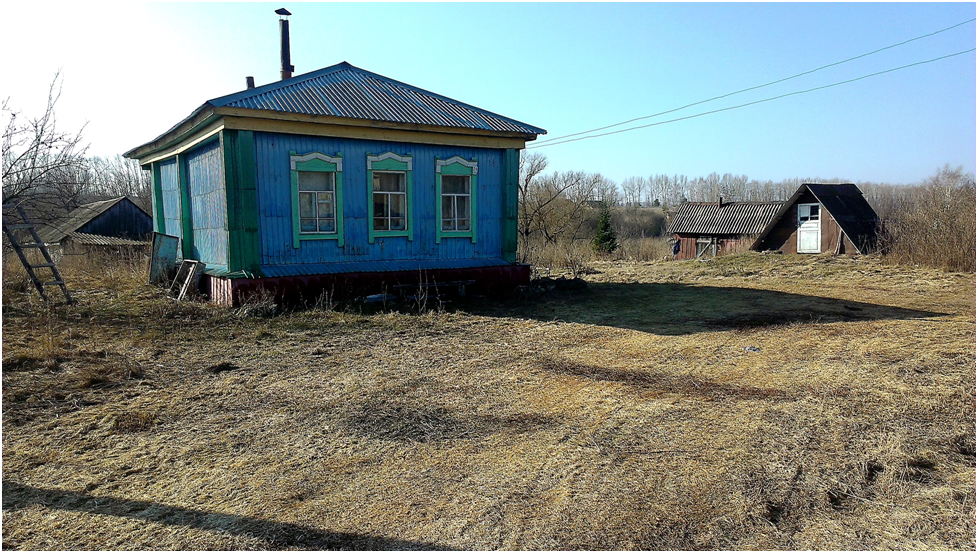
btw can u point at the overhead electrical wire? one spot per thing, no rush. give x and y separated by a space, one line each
878 50
534 146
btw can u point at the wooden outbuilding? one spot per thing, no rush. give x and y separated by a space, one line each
340 179
822 218
708 229
109 225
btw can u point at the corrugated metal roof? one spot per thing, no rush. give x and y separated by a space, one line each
98 240
377 266
77 219
343 90
728 218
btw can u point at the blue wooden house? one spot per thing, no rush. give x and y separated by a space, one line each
339 179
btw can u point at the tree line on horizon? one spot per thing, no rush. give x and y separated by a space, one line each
50 172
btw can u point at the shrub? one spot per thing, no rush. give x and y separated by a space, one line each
934 227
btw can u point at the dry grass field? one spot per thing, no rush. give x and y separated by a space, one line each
771 402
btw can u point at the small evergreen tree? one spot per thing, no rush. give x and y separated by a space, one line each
606 239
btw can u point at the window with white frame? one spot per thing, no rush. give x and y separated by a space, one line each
455 190
389 200
456 203
317 202
317 197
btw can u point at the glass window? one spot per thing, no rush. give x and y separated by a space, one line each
456 203
317 202
390 201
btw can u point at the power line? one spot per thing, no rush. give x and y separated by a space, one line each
754 102
556 138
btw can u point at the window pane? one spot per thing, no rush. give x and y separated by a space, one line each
463 224
380 205
814 216
307 225
315 180
389 182
454 184
447 208
397 205
380 223
327 225
307 206
448 224
462 207
326 204
397 224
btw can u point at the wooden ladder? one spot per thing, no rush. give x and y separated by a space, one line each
49 263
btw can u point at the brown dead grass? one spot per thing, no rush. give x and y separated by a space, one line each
629 416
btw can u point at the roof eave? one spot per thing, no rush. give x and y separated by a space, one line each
201 117
367 123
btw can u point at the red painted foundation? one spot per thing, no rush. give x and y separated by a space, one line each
294 290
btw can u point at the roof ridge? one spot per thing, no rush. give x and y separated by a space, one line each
346 66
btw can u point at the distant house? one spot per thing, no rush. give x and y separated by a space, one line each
822 218
337 179
707 229
107 225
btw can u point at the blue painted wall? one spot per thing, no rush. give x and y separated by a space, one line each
275 207
208 204
170 182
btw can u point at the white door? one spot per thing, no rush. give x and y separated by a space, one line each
809 228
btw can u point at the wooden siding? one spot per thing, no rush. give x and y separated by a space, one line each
275 206
124 219
784 235
725 244
208 205
170 186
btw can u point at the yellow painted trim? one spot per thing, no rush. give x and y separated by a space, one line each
205 133
366 123
369 133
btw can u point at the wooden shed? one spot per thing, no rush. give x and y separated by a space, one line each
822 218
115 224
707 229
337 179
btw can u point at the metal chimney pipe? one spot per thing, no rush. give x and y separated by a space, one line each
287 67
250 82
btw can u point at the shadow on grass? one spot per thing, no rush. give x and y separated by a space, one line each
403 421
276 534
657 383
679 309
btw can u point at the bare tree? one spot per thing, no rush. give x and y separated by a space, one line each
557 204
607 191
118 176
43 167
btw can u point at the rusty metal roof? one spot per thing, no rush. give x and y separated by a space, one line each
728 218
343 90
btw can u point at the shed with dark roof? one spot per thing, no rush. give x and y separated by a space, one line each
716 228
822 218
337 178
118 222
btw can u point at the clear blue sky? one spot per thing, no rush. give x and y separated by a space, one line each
132 71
